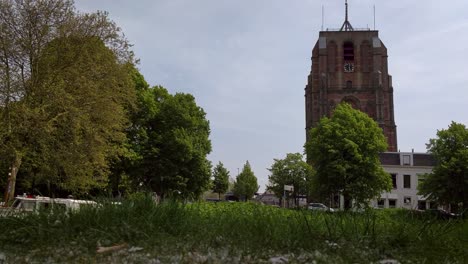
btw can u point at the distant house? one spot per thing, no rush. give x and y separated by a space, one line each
268 198
407 170
230 196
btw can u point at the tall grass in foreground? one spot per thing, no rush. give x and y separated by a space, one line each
251 228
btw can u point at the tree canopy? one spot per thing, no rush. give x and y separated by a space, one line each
168 143
61 74
292 170
220 179
246 183
76 115
344 151
448 182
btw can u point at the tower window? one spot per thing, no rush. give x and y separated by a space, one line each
349 84
348 51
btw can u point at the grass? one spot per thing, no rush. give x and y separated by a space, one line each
245 232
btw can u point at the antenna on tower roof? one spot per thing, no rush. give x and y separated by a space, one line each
346 10
374 17
346 25
323 15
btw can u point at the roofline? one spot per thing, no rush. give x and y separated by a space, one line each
407 166
409 152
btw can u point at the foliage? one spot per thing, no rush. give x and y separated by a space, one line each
220 179
168 143
82 94
246 183
125 168
46 77
448 182
240 232
344 152
292 170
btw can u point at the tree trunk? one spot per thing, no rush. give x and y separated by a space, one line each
11 183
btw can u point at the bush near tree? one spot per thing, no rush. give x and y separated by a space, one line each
344 151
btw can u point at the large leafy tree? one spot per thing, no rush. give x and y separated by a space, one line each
126 169
246 183
344 152
31 36
82 97
292 170
220 179
169 139
448 182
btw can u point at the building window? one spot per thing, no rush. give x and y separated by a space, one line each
406 160
407 200
380 203
394 184
407 181
348 51
391 203
349 84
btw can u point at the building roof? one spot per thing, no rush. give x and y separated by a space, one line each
390 158
418 159
423 159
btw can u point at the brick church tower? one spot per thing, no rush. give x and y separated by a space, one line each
350 65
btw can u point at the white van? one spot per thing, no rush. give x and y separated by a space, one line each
33 204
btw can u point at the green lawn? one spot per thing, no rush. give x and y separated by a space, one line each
229 233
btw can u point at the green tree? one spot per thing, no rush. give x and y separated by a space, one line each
31 33
169 138
82 94
448 182
292 170
344 151
126 168
246 183
77 115
220 179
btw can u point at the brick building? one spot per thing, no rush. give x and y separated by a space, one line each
350 65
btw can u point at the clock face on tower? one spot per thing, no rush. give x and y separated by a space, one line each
348 67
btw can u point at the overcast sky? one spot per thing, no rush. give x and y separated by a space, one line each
246 62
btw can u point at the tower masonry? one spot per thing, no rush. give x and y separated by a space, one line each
351 65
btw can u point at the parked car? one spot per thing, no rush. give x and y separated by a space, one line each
441 214
213 200
319 207
434 213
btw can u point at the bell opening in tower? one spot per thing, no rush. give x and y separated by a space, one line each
348 51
